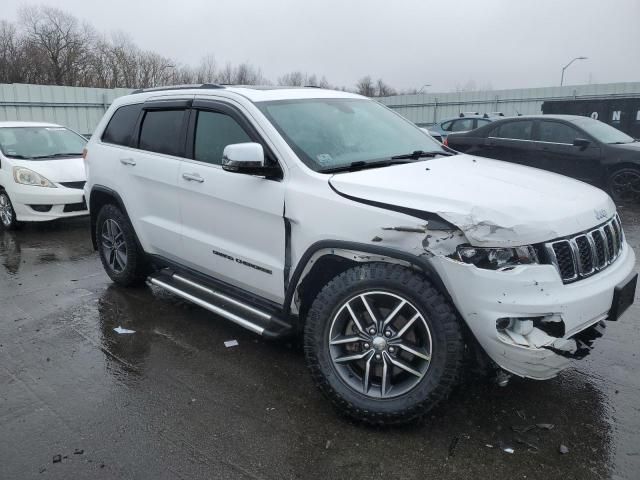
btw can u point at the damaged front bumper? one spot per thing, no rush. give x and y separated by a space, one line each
526 319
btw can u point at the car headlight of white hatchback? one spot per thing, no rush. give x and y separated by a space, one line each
29 177
497 258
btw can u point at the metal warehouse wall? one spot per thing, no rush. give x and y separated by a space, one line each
428 108
75 107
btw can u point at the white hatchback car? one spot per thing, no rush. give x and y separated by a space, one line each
42 173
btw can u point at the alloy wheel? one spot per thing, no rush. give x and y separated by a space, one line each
114 246
380 344
625 185
6 210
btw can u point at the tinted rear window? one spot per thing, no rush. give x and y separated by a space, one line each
121 125
162 132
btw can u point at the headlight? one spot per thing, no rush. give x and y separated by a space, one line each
29 177
497 258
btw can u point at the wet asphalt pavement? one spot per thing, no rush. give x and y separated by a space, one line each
170 401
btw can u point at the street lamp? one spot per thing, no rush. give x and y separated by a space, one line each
567 66
422 88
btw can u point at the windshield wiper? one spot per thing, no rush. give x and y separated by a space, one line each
54 155
19 157
421 154
361 165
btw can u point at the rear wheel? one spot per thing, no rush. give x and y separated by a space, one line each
121 257
382 344
624 184
7 213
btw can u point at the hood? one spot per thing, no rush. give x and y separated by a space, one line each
494 203
56 171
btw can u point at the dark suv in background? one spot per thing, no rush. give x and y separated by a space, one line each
571 145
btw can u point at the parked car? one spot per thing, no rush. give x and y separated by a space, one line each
462 123
41 173
325 214
579 147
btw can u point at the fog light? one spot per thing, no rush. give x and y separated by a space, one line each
41 208
521 326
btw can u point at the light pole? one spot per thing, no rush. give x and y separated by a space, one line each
567 66
422 88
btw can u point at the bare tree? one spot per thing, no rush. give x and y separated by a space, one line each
50 46
61 39
384 90
366 87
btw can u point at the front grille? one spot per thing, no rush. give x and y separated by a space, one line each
586 253
76 185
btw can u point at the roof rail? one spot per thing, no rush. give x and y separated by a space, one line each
203 86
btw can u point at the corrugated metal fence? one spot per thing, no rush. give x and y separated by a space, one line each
75 107
81 108
428 108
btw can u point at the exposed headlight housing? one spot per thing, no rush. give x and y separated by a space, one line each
29 177
497 258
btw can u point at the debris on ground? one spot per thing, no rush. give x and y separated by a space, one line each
57 458
453 445
508 450
545 426
522 441
121 330
564 449
327 445
488 445
231 343
78 451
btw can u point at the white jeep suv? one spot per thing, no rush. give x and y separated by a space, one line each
323 213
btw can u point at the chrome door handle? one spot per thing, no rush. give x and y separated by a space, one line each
128 161
193 177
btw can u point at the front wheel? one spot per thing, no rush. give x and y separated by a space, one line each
383 344
121 257
624 184
7 213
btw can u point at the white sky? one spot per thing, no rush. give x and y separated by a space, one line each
501 43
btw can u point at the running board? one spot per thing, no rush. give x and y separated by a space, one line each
240 313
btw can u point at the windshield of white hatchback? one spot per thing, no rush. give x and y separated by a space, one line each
40 143
329 133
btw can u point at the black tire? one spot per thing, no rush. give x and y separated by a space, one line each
445 338
623 184
7 213
130 269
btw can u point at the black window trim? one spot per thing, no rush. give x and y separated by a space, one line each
225 108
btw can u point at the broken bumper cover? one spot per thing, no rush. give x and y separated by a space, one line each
533 292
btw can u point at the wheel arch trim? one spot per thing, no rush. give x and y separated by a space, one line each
359 252
94 214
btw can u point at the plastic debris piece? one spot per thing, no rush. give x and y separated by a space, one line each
545 426
488 445
564 449
121 330
327 445
231 343
522 428
453 445
57 458
78 451
508 450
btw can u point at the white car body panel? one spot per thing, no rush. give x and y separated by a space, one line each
492 203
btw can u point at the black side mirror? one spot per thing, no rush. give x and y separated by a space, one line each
581 143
